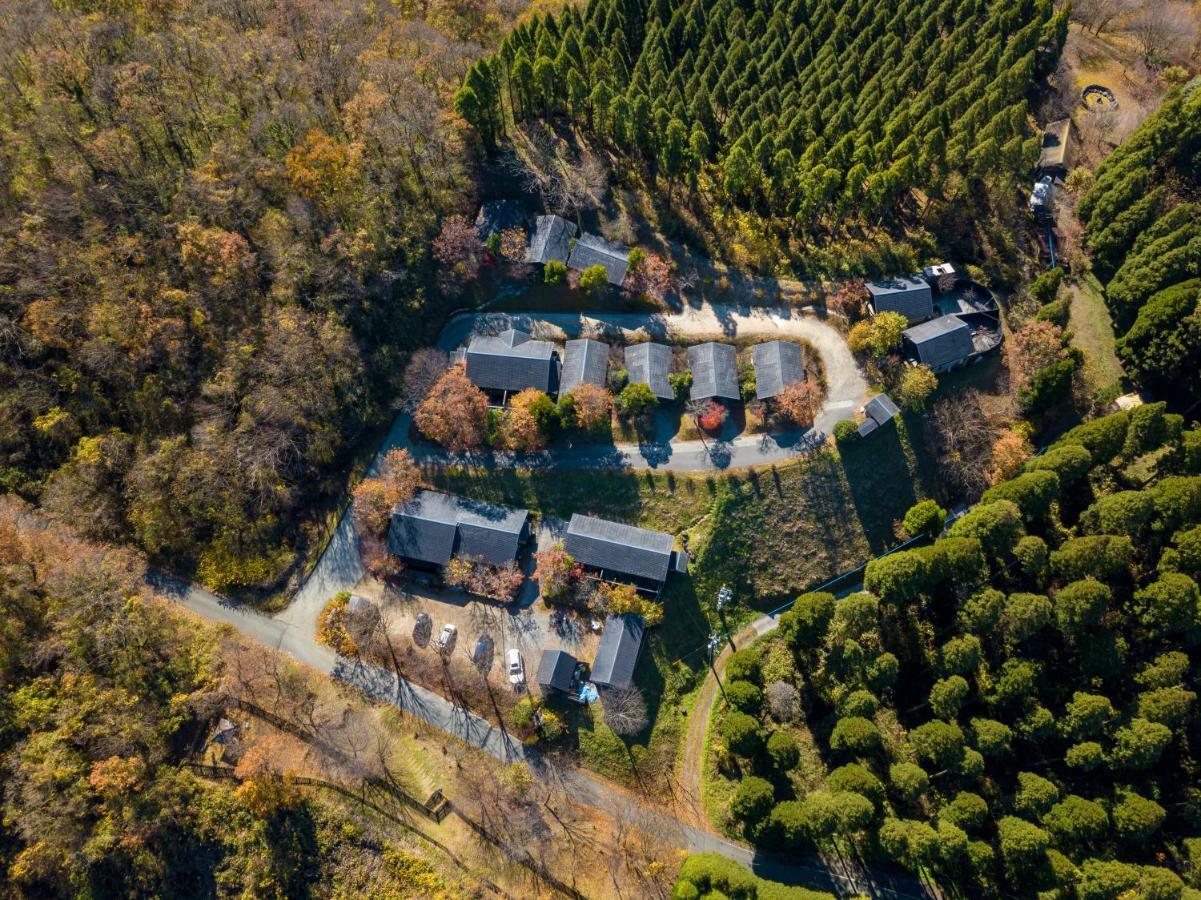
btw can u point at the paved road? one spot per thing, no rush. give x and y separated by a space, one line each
384 686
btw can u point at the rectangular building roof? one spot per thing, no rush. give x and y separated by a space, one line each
593 250
585 362
551 239
650 364
714 371
777 365
1057 152
620 548
498 215
511 361
909 296
941 342
881 409
433 527
555 669
617 654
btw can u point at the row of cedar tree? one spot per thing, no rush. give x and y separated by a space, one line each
806 108
1012 707
1143 224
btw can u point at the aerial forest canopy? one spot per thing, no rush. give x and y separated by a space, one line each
1011 709
805 111
214 227
1142 219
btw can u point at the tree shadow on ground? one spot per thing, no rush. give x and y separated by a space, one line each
881 484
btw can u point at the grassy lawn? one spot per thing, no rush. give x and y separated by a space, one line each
659 500
1093 330
776 533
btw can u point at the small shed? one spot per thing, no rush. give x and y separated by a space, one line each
617 654
932 274
909 296
942 343
777 365
714 371
556 670
496 216
512 361
584 362
650 364
1059 149
551 239
878 411
593 250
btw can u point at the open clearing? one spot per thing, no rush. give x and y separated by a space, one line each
1093 330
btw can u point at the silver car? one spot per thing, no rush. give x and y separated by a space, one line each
446 639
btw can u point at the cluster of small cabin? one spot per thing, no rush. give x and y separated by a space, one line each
512 361
553 239
432 528
952 320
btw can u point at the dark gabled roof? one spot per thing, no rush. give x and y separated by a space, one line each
586 361
510 361
911 297
650 364
433 527
618 547
551 239
881 409
941 342
497 215
714 371
777 365
617 654
555 669
593 250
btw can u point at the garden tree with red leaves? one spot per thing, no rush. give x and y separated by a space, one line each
652 276
712 416
483 579
454 413
555 571
849 299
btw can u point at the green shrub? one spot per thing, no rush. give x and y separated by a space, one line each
938 742
1102 556
1124 512
857 779
745 665
1077 820
1033 492
967 811
783 751
742 734
997 526
744 696
926 517
1058 312
804 625
846 431
1045 287
1103 438
1070 462
855 735
908 781
1085 756
554 272
753 800
1032 555
1081 604
1035 794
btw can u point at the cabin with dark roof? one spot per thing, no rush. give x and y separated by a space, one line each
617 653
551 239
511 361
714 371
432 528
1059 149
650 364
496 216
778 364
942 343
593 250
879 411
556 671
910 297
614 551
584 362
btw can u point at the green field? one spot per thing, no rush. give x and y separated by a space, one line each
1093 330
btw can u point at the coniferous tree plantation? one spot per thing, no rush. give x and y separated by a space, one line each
1011 709
805 112
1142 219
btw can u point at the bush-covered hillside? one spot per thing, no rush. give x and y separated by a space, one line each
214 226
1143 222
805 111
1012 708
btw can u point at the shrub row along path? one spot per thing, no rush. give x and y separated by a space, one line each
387 687
293 631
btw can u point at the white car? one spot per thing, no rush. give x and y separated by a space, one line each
516 667
446 639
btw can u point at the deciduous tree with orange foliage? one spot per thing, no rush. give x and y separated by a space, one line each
454 413
592 405
376 497
798 403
